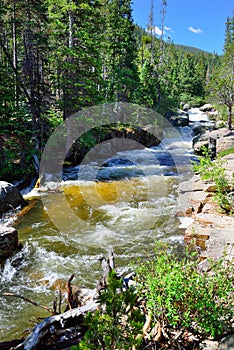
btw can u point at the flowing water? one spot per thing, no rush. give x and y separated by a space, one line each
129 207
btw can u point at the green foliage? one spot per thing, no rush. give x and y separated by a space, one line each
119 325
221 86
179 296
76 55
215 171
226 152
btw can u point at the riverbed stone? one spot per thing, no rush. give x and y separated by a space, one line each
202 140
8 242
227 343
10 197
178 118
186 107
209 345
206 107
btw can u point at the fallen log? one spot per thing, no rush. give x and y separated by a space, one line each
53 324
7 345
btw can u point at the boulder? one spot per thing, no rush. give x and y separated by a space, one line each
146 136
212 114
10 197
186 107
206 107
220 124
179 118
225 142
202 140
8 242
227 343
209 345
201 128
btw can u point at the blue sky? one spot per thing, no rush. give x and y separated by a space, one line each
198 23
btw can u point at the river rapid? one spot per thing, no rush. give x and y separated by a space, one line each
130 206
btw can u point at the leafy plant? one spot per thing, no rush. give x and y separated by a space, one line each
226 152
118 325
179 296
214 171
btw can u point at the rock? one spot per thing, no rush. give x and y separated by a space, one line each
179 118
209 345
200 141
10 197
206 107
186 107
225 142
146 136
227 343
203 127
8 242
229 206
220 124
213 114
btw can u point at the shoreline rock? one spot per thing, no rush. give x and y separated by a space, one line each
207 228
10 197
9 243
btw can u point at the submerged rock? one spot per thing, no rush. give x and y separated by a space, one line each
10 197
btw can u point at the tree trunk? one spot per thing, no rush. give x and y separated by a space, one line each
230 117
15 53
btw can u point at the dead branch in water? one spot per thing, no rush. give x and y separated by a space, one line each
29 301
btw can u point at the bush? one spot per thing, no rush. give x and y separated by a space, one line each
119 325
214 171
179 296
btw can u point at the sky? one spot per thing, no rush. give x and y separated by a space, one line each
197 23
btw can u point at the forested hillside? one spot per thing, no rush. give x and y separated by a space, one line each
57 57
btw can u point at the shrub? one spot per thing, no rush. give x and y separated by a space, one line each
215 171
119 325
179 296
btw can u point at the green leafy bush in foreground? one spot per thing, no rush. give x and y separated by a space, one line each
174 293
179 296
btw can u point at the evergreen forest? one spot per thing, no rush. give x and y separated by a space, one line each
57 57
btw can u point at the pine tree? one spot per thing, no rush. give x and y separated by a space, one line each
221 86
119 52
77 32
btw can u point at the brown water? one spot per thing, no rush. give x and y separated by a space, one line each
59 239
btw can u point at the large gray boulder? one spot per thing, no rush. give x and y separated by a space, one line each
8 242
10 197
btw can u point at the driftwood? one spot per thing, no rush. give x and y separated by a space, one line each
53 324
28 300
80 300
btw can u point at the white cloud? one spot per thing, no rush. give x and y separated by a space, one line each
195 30
158 31
168 29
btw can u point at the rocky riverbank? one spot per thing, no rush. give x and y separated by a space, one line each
205 224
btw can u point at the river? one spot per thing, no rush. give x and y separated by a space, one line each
134 206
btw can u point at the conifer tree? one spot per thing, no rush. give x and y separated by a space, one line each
77 32
221 86
119 52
